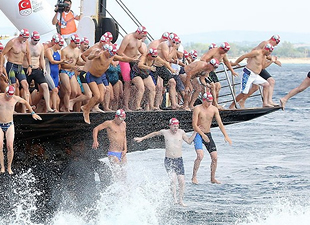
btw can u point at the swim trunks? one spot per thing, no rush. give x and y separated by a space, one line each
212 78
15 71
117 154
264 74
180 86
105 80
198 141
164 73
125 68
36 75
308 75
5 126
249 78
69 73
91 78
174 165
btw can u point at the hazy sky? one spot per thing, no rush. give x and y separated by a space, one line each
196 16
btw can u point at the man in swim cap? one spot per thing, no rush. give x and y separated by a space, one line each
15 51
8 101
116 131
173 156
202 119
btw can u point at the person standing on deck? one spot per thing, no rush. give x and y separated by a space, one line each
7 104
116 131
219 53
38 68
131 46
15 51
256 61
173 156
202 119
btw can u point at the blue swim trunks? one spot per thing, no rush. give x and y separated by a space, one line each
91 78
117 154
210 146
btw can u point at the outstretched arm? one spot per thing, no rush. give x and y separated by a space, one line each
139 139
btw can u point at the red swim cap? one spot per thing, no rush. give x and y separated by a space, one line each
174 121
207 97
10 90
120 113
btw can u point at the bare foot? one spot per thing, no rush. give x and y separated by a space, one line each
174 107
232 106
51 110
71 104
215 181
181 203
10 171
85 115
194 180
127 110
267 106
282 103
2 170
242 104
108 110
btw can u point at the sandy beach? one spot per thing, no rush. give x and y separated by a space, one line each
294 60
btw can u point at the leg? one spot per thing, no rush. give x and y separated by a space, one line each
266 91
46 95
304 85
271 82
92 102
213 166
253 89
149 84
26 92
173 185
138 82
2 170
9 144
181 189
159 92
173 94
65 90
199 153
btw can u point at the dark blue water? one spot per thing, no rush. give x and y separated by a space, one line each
265 175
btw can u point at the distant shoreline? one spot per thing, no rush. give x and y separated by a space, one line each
294 60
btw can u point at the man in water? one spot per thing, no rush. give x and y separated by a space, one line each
116 131
7 104
202 118
173 156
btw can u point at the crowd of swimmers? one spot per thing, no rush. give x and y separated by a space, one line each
61 77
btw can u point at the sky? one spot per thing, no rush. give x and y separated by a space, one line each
200 16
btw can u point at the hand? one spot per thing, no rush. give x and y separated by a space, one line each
227 139
235 74
36 116
205 138
137 139
187 90
95 144
153 68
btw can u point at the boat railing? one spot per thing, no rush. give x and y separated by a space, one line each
229 85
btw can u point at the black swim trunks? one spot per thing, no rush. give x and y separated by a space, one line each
212 78
264 74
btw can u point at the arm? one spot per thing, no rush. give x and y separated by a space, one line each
142 65
125 144
153 134
28 106
190 139
221 126
165 63
42 61
123 58
50 58
95 54
228 65
247 55
98 128
28 55
196 126
55 18
123 46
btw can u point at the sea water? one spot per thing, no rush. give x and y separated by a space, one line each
265 176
